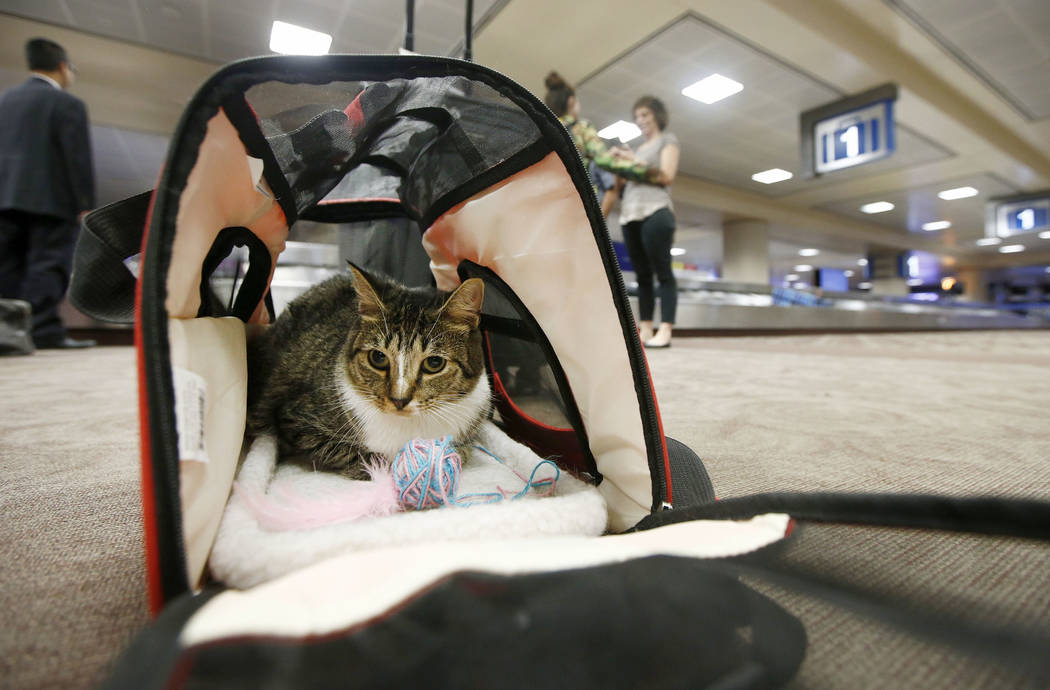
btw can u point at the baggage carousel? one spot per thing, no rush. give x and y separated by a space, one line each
749 308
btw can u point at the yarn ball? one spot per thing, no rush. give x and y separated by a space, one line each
426 473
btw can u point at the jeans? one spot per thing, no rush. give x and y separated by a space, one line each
649 248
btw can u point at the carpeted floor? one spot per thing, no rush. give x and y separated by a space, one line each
71 564
955 413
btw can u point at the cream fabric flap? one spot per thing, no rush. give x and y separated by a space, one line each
341 592
533 231
223 190
210 374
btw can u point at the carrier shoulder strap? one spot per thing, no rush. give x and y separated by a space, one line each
103 282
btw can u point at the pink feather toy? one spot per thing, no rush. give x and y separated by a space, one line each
424 474
285 506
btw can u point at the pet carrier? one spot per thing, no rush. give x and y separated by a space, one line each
683 590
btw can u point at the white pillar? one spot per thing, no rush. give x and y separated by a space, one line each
745 251
975 284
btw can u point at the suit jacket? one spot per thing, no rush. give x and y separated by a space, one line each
45 151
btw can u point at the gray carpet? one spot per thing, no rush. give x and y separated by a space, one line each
955 413
71 559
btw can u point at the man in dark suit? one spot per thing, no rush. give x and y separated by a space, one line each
46 185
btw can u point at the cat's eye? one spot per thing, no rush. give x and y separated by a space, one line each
378 360
433 364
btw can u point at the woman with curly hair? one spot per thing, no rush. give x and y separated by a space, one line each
647 218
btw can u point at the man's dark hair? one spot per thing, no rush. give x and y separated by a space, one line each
44 55
656 106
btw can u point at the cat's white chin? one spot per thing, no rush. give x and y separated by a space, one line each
387 432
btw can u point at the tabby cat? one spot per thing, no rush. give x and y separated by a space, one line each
359 365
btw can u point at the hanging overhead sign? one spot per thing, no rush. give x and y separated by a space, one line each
849 132
1018 215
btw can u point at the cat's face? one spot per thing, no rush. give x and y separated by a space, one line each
414 354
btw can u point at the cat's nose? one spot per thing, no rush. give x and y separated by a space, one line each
400 403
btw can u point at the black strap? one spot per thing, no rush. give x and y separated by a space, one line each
1017 648
255 285
103 286
979 515
246 123
450 127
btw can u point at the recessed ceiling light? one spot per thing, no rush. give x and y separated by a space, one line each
772 175
1044 235
862 262
864 285
712 89
621 129
936 225
877 207
802 268
794 276
295 40
1011 248
988 241
677 251
808 252
957 193
848 273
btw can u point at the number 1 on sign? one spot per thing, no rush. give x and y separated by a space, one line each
851 138
1026 219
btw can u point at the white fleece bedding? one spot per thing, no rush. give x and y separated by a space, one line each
246 554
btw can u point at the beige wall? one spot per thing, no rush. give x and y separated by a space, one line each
123 85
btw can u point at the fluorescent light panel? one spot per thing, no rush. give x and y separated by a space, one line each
957 193
677 251
936 225
712 89
809 251
988 241
862 262
802 268
772 175
1011 248
1045 235
621 129
290 39
877 207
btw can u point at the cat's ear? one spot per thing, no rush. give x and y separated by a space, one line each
368 302
464 305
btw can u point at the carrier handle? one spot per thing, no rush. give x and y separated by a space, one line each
410 21
1016 517
468 29
104 265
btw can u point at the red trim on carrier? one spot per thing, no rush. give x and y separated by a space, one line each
546 441
149 503
325 202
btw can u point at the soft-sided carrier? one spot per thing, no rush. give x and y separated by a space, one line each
684 590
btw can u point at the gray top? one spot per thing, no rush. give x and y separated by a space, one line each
641 200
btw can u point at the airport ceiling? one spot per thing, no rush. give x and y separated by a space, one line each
973 106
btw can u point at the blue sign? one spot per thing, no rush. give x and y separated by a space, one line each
853 138
1020 217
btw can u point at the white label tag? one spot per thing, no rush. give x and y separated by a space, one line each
255 168
190 392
